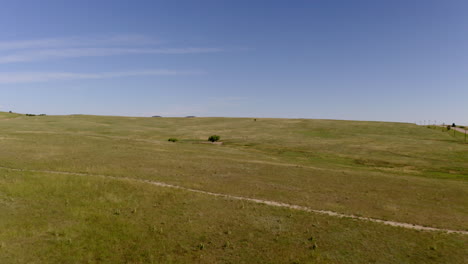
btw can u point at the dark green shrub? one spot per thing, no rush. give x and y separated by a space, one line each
448 127
173 140
214 138
453 125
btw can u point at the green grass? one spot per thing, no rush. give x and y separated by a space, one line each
460 136
5 115
391 171
65 219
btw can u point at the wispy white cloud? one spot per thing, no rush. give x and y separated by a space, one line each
34 77
64 42
44 54
75 47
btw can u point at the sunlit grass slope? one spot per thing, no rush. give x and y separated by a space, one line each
391 171
67 219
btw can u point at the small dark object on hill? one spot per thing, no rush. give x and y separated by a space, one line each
448 127
214 138
10 112
255 119
453 125
190 116
173 140
156 116
42 115
30 115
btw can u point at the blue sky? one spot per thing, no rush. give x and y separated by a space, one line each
361 60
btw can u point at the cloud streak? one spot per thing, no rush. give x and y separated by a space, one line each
76 47
45 54
35 77
109 40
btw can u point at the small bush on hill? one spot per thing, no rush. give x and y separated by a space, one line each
448 127
214 138
173 140
453 125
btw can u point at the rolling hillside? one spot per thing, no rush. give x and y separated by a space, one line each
78 189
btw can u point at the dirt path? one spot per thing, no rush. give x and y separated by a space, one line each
461 130
259 201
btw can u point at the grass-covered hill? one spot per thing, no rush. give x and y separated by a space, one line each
390 171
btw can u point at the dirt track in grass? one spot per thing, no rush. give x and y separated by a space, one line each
259 201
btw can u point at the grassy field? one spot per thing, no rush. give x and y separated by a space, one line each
457 134
390 171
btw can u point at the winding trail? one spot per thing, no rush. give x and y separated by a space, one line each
259 201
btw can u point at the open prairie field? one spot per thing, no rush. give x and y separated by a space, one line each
90 189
